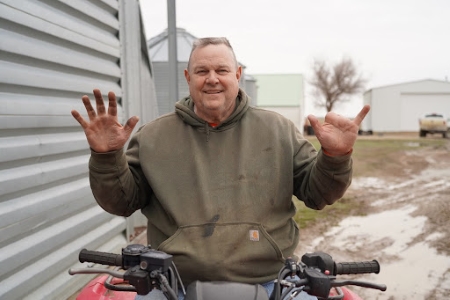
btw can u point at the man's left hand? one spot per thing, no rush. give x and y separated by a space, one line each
338 134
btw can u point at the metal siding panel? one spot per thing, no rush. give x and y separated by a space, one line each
386 109
51 53
415 106
94 11
19 111
162 86
63 19
36 175
31 211
183 88
388 104
138 89
150 104
69 285
24 251
41 270
30 76
64 55
21 147
366 124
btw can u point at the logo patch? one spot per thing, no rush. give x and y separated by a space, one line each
254 235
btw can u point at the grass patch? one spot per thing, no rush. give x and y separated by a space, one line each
306 216
370 157
381 147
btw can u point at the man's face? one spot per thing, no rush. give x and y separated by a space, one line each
213 80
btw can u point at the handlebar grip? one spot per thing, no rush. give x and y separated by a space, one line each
357 267
103 258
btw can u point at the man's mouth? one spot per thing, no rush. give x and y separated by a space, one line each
213 92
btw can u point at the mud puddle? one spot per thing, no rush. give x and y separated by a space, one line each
406 227
410 269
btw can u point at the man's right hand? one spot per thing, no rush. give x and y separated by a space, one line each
104 133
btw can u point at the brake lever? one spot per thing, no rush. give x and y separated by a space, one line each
340 283
96 271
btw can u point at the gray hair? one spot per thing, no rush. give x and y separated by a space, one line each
203 42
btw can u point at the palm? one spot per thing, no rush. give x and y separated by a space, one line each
104 133
338 134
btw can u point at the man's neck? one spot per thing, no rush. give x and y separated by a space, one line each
214 118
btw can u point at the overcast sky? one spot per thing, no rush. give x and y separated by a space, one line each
390 41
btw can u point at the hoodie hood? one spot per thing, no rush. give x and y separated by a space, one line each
185 110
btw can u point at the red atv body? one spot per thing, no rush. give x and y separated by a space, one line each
96 290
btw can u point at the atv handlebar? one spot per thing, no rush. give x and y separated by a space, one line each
102 258
357 267
317 272
147 268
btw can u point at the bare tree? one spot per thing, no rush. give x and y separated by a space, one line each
333 84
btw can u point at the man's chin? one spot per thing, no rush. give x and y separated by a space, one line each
214 97
214 100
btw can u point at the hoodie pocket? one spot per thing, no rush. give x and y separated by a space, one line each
242 252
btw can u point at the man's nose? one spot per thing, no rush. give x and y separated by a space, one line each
212 77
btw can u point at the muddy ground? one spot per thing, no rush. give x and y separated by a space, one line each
401 218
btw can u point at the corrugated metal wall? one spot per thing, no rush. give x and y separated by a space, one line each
51 53
165 104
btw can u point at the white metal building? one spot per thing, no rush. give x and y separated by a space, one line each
284 94
397 108
51 54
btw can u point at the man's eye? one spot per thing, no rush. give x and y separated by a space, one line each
222 71
201 72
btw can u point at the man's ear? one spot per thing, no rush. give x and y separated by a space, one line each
186 75
238 73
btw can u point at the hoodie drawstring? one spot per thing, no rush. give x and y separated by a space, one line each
207 131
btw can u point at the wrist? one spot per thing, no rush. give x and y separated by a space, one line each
336 154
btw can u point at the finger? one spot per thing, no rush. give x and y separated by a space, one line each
131 123
79 118
99 101
332 118
112 108
314 124
89 109
361 115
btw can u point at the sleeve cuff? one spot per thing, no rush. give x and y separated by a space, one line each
106 161
331 155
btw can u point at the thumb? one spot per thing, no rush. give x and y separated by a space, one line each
131 123
314 124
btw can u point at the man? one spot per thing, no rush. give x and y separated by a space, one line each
216 177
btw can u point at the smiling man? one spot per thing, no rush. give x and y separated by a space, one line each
213 76
215 178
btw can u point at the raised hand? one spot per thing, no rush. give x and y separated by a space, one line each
104 133
337 134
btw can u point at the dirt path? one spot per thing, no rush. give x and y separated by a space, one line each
403 222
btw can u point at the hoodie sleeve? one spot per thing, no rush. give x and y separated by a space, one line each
319 179
118 188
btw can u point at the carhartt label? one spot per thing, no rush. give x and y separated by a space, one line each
254 235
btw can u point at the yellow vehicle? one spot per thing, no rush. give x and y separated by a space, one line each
433 123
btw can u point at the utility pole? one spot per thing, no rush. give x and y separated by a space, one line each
173 60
